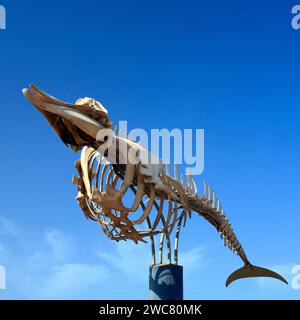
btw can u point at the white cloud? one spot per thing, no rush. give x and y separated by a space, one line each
56 248
134 260
192 260
69 279
130 259
59 243
49 272
49 267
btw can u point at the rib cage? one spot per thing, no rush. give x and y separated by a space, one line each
101 192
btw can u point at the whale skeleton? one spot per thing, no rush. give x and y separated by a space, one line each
159 202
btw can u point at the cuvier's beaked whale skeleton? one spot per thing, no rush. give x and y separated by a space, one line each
103 186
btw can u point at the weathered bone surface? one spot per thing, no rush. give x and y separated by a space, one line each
157 202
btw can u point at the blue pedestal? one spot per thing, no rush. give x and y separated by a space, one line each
166 282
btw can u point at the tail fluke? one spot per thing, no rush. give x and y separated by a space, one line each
249 271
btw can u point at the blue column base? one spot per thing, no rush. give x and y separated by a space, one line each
166 282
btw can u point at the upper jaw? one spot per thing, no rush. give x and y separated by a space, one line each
76 124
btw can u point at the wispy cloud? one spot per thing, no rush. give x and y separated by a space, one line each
130 259
56 248
50 267
192 260
59 243
70 279
133 260
51 271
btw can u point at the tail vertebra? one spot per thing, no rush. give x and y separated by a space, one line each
249 271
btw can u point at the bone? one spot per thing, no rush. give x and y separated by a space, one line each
102 201
175 213
189 180
85 123
206 191
190 183
147 209
138 195
129 174
219 207
158 217
195 188
209 193
176 171
167 165
169 215
214 200
182 178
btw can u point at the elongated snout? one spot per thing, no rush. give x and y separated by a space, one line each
76 124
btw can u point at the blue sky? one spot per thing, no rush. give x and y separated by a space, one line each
230 68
